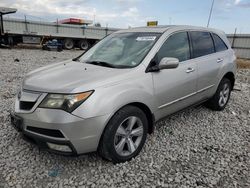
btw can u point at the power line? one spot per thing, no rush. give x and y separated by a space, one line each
210 13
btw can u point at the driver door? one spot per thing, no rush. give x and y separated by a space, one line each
175 88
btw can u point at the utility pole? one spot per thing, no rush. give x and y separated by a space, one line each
234 37
26 24
210 13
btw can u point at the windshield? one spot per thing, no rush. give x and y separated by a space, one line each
121 50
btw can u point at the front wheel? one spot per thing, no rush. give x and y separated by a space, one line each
125 135
220 99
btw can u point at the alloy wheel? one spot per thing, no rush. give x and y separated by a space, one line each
224 95
128 136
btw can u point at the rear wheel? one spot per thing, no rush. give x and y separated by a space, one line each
125 135
68 44
84 44
219 101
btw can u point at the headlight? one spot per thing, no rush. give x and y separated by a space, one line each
64 101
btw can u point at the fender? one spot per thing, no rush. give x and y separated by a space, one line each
109 99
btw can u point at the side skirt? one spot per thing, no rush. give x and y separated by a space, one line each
179 111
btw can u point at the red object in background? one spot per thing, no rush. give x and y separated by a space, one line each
75 21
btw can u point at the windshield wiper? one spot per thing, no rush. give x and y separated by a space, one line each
76 59
101 63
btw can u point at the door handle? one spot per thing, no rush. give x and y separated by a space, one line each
219 60
189 70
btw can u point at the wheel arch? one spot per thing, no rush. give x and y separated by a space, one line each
148 113
141 106
144 108
231 77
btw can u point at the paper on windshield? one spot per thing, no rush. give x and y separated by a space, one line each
146 38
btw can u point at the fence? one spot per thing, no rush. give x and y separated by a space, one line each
241 44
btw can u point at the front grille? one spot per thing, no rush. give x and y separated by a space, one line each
24 105
46 132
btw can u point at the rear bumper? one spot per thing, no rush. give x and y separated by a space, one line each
45 126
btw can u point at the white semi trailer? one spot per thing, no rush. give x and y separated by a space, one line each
37 32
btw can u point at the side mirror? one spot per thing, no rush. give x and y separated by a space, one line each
168 63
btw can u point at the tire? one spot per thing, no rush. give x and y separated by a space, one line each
59 49
11 41
117 134
220 99
83 44
68 44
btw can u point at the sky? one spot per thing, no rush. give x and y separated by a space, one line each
227 14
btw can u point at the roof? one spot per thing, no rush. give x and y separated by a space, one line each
163 28
154 29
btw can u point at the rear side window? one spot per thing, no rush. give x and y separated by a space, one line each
177 46
219 43
202 43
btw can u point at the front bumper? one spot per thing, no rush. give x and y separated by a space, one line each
44 126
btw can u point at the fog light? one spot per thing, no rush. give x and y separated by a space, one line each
58 147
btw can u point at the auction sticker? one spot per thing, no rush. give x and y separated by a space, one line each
146 38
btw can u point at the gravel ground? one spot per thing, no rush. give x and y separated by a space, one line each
194 148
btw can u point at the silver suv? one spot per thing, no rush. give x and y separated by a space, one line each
110 97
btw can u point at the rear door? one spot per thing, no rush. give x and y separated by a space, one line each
208 63
221 50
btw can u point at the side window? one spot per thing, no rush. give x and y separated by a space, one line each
202 43
219 43
177 46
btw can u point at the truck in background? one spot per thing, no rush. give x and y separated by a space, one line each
72 32
3 36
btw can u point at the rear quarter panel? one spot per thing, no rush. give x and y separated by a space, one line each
228 65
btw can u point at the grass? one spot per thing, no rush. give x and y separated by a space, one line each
243 63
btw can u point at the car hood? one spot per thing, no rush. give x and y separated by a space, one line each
71 77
